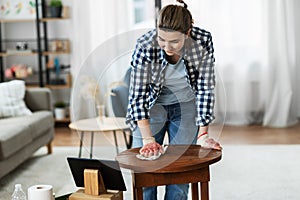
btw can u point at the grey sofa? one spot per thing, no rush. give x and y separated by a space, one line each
21 136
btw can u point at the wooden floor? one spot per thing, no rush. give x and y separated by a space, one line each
226 135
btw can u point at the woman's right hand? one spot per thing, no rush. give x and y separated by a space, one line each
151 149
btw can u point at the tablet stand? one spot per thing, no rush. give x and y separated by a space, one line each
94 188
93 182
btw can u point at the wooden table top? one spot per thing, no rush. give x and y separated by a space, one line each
178 158
99 125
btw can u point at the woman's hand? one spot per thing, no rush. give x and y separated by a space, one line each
151 149
210 143
207 142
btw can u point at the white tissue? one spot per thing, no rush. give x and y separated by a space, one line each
40 192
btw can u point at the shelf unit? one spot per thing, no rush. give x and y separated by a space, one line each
42 54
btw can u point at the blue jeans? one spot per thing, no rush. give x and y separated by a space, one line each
178 121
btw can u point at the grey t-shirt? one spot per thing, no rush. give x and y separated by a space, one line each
176 88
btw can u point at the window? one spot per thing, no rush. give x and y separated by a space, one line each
144 11
139 11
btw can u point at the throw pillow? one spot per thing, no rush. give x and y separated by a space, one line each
12 99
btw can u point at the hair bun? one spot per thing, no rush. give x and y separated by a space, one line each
184 4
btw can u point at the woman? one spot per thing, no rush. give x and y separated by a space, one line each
172 88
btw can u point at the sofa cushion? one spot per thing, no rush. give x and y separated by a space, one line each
39 122
13 138
17 132
11 101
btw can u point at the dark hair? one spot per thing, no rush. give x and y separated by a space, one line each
175 18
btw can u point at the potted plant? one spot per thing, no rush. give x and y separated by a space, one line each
55 8
60 110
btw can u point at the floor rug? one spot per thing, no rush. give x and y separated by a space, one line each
246 172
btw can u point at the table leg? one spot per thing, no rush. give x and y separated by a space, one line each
80 144
116 142
92 143
138 193
128 143
204 191
195 191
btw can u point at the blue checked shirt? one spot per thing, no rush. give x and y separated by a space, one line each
147 75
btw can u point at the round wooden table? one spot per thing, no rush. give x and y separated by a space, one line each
104 124
180 164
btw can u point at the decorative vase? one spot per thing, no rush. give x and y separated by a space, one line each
101 111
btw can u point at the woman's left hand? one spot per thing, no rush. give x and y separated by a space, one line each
209 143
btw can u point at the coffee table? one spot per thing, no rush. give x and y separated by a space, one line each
98 125
180 164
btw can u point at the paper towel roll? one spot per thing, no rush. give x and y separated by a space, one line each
40 192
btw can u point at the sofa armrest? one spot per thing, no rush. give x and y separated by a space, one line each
38 99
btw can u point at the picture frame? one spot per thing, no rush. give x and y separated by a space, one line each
17 9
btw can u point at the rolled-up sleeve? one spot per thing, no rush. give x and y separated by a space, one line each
138 106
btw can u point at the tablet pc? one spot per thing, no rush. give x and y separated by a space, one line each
110 171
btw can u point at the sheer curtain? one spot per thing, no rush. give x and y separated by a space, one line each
256 54
95 22
281 82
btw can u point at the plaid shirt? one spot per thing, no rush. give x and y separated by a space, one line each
147 75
